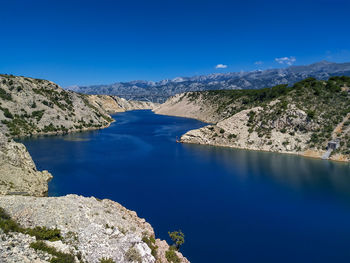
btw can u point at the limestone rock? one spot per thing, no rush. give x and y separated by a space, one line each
93 228
18 174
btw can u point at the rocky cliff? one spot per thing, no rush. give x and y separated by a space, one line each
18 174
303 119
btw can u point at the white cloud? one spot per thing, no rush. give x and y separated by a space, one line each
220 66
286 60
258 62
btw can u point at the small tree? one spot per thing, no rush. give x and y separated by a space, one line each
178 238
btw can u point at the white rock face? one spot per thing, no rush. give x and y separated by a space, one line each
182 106
95 228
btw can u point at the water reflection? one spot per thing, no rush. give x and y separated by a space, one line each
297 172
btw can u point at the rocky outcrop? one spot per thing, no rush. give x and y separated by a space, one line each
92 229
18 174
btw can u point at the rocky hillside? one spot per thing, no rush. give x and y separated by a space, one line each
33 106
162 90
301 119
75 229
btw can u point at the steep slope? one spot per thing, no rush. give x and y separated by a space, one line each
160 91
113 104
184 105
301 119
33 106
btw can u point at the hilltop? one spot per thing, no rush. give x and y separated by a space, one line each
301 119
162 90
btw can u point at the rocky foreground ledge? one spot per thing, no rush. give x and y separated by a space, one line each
90 230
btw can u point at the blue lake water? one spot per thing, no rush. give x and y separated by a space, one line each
233 205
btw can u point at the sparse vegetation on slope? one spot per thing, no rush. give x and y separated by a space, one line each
7 224
305 116
34 106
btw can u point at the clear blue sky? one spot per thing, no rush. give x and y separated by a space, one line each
90 42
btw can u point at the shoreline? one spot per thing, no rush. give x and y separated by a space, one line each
264 151
304 154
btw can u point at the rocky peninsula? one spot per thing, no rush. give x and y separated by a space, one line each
310 118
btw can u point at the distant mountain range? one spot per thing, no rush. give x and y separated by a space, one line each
160 91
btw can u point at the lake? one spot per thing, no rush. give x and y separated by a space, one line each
233 205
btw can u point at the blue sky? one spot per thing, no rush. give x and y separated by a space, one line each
105 41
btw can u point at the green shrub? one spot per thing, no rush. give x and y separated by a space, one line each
7 113
4 95
232 135
7 224
150 241
38 114
49 128
171 256
58 257
310 114
178 238
133 255
251 116
43 233
106 260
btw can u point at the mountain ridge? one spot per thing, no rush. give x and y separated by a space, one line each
161 90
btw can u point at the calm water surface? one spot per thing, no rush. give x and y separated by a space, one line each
232 205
